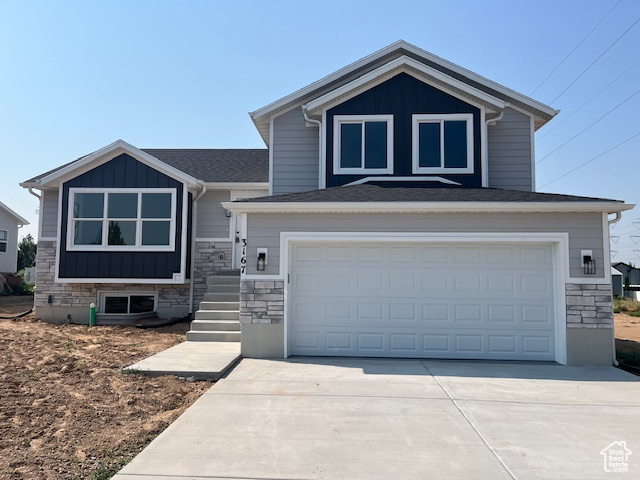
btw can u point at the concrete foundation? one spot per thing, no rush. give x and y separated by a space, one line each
263 340
80 314
589 346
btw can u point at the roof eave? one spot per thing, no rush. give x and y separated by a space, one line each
424 207
401 64
262 114
154 162
19 219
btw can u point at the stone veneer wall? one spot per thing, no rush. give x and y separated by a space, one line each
209 257
262 301
589 306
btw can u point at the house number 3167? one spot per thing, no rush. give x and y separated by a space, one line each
243 259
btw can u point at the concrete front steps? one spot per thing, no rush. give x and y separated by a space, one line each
217 320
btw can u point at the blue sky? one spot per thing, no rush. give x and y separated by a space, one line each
78 75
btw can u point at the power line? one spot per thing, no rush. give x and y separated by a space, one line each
586 103
593 159
595 61
584 130
575 48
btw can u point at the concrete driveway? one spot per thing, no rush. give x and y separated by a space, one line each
322 418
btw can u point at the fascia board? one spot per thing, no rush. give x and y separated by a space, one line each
398 63
423 207
258 115
144 157
11 213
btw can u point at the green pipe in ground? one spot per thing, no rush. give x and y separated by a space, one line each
92 315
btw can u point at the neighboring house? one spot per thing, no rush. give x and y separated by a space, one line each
630 272
617 282
394 215
10 223
633 275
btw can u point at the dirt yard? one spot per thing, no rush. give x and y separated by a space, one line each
628 339
67 411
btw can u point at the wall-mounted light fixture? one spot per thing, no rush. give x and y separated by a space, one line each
588 262
227 213
262 259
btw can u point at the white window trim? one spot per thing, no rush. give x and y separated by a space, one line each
6 242
417 119
103 294
339 120
105 221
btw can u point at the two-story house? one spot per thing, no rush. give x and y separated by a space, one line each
394 214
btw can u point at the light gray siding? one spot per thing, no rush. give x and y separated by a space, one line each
9 259
295 154
509 145
49 214
211 221
584 229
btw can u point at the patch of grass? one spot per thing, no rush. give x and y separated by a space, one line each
132 371
115 460
106 470
626 305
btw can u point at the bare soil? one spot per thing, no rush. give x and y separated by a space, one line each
628 339
66 408
67 411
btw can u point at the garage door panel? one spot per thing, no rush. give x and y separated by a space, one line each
403 254
434 255
440 301
535 255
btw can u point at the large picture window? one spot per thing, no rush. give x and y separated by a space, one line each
121 219
362 144
442 143
4 238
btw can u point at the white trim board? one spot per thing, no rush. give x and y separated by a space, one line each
237 185
559 241
19 220
424 207
149 281
414 178
399 65
298 96
204 239
107 154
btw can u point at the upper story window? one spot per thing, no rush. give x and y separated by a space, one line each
362 144
442 143
121 219
4 238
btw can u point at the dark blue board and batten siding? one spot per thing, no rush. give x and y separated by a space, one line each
122 172
402 96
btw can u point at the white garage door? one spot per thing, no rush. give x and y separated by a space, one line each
479 301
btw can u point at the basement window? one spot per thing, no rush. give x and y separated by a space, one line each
128 303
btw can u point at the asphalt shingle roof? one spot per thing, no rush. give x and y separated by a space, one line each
208 164
418 192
